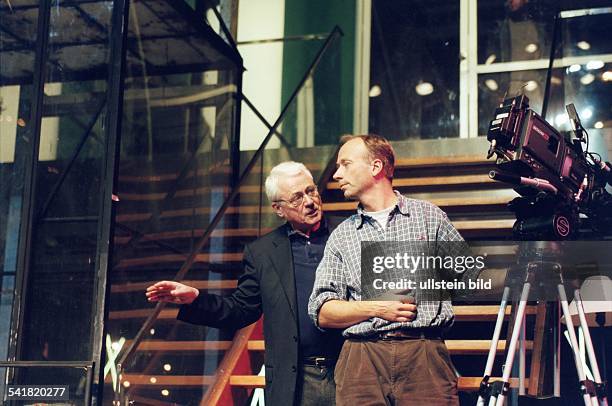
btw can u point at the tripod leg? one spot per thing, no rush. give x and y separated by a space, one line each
520 319
589 342
574 342
522 361
494 342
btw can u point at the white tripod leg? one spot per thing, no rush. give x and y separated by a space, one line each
589 342
574 342
495 340
516 331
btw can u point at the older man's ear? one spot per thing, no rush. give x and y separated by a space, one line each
277 210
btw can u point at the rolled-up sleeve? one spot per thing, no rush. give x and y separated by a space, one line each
330 281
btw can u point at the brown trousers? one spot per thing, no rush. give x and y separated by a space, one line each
395 372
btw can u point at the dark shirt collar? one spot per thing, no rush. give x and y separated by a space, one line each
323 227
401 206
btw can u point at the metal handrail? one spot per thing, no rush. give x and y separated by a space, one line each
129 352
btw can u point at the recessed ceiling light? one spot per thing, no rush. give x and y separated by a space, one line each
586 113
165 392
375 91
598 124
606 76
424 89
594 65
561 119
531 85
587 79
531 48
574 68
167 367
491 84
583 45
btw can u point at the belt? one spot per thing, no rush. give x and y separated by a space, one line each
405 334
319 361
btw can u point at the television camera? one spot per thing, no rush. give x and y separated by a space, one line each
562 185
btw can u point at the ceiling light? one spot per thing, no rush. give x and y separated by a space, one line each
606 76
574 68
126 384
152 331
153 379
583 45
587 79
165 392
424 89
531 48
586 113
375 91
594 65
491 84
490 59
561 119
167 367
531 85
599 124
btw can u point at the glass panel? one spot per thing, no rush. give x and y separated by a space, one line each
17 32
175 172
62 276
584 83
176 362
414 69
521 30
516 30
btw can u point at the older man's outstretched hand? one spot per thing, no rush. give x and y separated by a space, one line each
171 292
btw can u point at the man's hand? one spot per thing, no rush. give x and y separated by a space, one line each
171 292
403 311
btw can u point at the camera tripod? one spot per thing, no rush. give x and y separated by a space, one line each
536 275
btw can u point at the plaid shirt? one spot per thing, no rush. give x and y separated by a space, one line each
339 273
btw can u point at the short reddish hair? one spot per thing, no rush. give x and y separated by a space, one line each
378 148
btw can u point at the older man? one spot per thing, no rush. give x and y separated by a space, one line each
279 272
390 356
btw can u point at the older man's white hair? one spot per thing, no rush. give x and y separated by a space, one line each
283 170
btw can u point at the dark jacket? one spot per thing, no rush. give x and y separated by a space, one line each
267 286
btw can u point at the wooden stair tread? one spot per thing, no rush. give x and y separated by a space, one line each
440 202
477 200
432 181
475 179
476 224
455 347
142 286
164 380
174 258
462 313
197 233
465 383
457 160
400 163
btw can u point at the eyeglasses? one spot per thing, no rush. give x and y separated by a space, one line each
297 198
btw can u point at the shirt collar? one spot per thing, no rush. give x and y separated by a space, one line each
291 231
401 207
